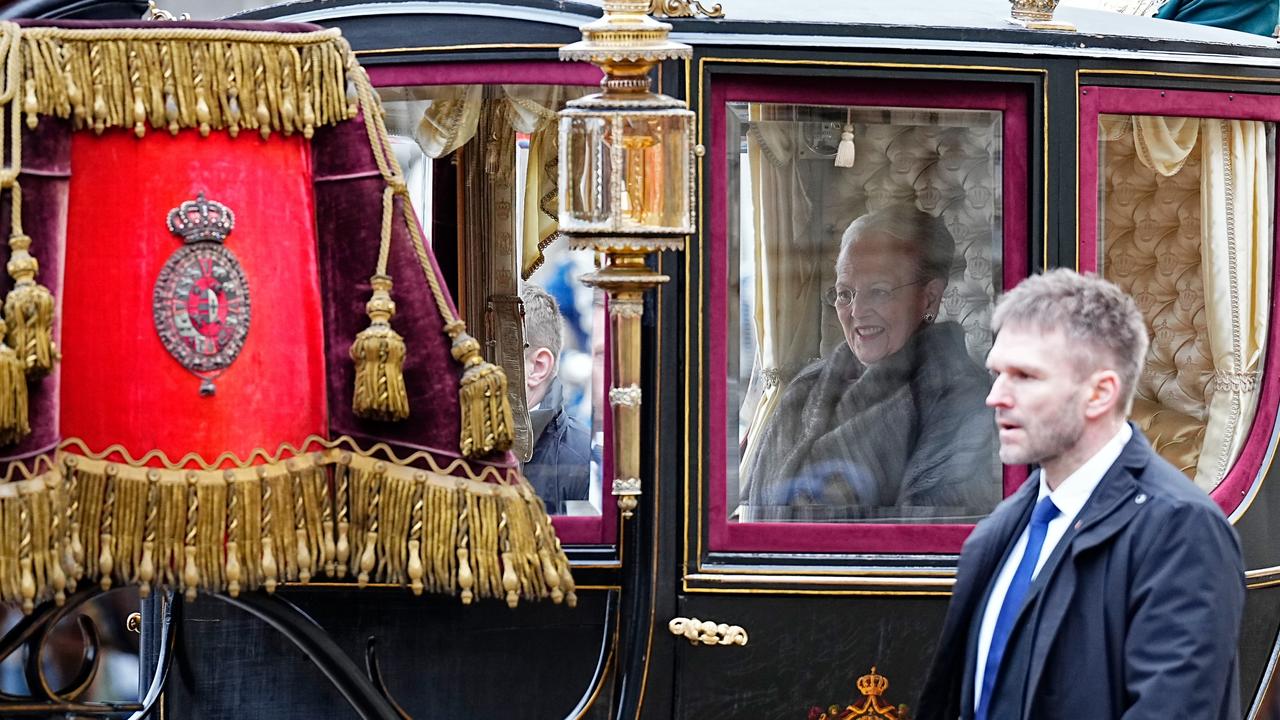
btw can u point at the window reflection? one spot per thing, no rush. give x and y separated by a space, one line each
1185 218
869 406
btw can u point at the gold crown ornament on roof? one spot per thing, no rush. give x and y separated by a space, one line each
1038 15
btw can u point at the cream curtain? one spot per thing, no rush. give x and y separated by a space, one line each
788 310
450 120
532 109
1236 257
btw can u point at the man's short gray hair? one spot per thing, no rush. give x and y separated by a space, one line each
1094 315
543 326
925 236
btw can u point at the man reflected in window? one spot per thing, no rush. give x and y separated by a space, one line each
559 468
892 425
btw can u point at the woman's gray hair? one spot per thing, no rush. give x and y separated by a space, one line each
1097 318
925 236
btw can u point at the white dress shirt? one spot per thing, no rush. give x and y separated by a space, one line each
1069 498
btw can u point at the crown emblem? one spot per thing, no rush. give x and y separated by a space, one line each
872 686
201 220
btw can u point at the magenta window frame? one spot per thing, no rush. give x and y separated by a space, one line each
571 530
1097 100
802 537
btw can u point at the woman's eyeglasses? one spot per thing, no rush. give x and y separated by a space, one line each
842 297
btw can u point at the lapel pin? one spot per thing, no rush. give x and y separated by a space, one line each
1141 498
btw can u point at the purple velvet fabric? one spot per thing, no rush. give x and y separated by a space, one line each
45 181
348 221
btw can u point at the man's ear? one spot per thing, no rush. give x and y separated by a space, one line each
1104 394
539 366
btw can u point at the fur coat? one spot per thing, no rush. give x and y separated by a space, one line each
907 437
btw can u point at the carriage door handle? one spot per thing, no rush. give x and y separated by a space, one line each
707 632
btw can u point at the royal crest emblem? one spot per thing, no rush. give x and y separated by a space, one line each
201 299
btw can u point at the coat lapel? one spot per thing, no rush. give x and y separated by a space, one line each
1106 513
998 533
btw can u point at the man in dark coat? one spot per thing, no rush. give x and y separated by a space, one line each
560 466
1108 585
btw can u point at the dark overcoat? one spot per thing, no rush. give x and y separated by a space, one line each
560 467
1135 614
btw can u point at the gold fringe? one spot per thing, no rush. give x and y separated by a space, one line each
281 521
183 78
378 352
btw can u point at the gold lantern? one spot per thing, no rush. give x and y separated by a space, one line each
626 191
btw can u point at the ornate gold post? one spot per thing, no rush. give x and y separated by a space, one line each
626 191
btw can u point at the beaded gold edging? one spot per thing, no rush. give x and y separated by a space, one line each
336 511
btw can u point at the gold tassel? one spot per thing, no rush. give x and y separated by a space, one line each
367 558
269 568
342 479
13 395
465 578
190 573
28 311
28 581
415 567
233 569
268 564
482 399
378 352
146 570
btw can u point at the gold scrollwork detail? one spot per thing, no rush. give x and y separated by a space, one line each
625 396
707 632
683 8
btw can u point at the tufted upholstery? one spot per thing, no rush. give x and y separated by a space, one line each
948 164
1151 235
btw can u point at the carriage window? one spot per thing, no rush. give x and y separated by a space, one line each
1185 226
865 252
495 150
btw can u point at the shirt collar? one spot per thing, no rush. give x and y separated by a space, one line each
1074 492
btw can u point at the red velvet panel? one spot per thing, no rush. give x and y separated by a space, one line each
119 384
1245 476
1012 101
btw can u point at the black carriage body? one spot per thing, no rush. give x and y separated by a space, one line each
818 614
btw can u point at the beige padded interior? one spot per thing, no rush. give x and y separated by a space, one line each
1151 237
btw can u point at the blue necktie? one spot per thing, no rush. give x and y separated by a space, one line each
1044 512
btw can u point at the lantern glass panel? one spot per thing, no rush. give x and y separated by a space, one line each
655 172
586 198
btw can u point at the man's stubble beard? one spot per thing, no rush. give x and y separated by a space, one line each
1050 440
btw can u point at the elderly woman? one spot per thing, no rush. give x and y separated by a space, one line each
893 424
